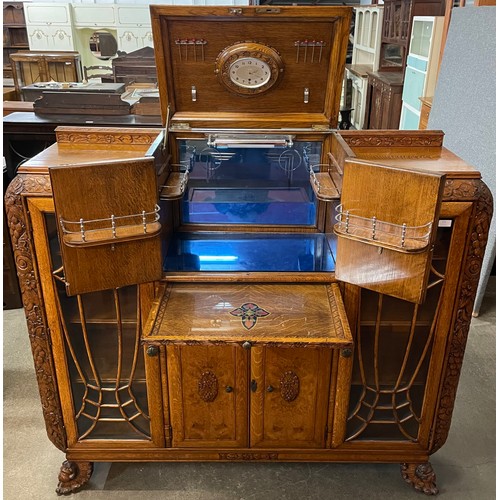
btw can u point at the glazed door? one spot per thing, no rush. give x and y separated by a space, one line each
289 400
386 225
208 392
108 223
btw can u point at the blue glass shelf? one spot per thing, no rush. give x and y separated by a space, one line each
251 252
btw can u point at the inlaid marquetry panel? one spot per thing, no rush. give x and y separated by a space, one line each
268 314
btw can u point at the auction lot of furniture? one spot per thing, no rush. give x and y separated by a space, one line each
248 284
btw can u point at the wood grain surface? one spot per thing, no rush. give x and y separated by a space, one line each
398 197
97 191
297 314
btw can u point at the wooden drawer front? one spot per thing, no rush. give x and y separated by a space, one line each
289 405
208 396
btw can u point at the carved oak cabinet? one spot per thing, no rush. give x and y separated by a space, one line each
248 283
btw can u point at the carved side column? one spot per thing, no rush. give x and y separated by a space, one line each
462 190
29 282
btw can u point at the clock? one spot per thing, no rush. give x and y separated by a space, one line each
249 68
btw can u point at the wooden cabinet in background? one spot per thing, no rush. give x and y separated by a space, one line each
396 29
384 99
425 113
39 66
15 36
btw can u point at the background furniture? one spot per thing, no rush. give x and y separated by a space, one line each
396 29
50 26
425 112
421 68
137 67
365 57
38 67
466 91
384 99
15 36
396 35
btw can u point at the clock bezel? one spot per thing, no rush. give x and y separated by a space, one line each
255 50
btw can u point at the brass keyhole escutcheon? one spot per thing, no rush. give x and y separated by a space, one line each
152 350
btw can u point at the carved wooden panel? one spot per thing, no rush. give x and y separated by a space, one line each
289 407
208 386
208 395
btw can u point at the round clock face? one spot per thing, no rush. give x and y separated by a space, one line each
249 72
249 68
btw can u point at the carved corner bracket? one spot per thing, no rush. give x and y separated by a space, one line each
22 244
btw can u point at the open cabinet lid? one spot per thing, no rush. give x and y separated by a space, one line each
386 226
257 66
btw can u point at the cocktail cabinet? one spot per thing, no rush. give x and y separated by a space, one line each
247 283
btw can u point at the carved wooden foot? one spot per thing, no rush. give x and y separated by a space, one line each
73 475
421 477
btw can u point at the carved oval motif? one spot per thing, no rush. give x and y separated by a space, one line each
289 386
208 386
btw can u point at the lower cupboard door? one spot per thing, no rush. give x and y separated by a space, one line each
208 388
289 406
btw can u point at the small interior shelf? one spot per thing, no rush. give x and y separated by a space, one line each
250 252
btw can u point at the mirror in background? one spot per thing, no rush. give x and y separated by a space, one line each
103 45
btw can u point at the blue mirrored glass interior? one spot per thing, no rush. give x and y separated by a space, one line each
274 252
249 185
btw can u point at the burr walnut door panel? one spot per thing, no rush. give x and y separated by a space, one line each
289 398
208 395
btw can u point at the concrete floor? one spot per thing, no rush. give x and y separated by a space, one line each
465 466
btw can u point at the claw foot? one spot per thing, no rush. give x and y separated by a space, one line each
421 477
73 475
